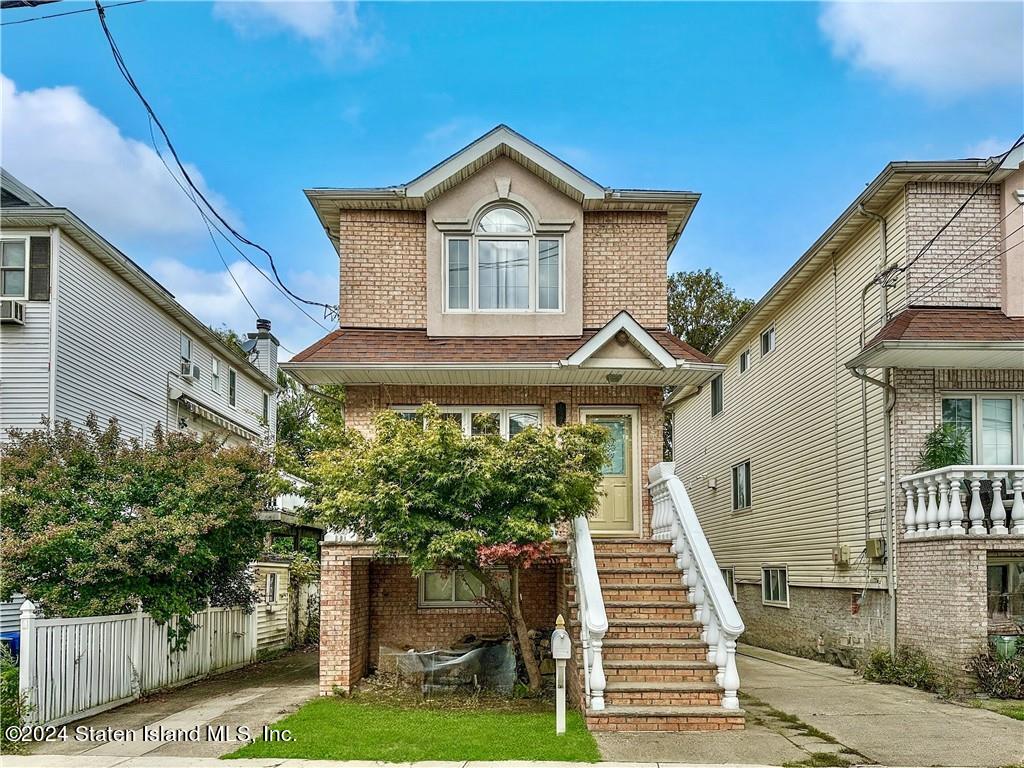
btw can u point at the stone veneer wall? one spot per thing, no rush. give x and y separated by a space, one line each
383 269
625 267
820 622
366 603
978 281
361 402
941 597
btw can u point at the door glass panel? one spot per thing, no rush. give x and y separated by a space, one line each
617 458
997 430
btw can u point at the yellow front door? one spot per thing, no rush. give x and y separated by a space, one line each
615 511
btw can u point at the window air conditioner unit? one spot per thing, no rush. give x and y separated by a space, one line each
190 371
12 312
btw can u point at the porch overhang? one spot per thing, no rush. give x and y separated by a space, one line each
941 354
558 373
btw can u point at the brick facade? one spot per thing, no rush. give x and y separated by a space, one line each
367 603
941 598
974 268
363 401
383 269
624 267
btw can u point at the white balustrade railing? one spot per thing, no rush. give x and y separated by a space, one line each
675 520
975 500
593 620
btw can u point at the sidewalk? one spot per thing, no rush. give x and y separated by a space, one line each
153 761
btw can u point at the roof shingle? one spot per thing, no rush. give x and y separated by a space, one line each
951 324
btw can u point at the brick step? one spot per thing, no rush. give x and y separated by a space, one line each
638 629
674 610
692 693
640 718
638 546
656 650
667 575
659 671
613 560
643 593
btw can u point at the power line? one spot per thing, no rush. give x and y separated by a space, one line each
952 262
944 227
212 225
329 310
67 13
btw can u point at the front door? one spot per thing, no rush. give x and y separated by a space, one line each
615 512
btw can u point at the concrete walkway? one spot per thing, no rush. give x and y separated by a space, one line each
858 721
160 725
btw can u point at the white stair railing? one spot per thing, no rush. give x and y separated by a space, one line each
593 620
675 520
949 501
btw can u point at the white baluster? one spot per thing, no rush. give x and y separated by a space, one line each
977 512
700 607
712 636
997 514
910 518
597 679
943 515
933 508
922 509
721 660
956 510
731 677
1017 511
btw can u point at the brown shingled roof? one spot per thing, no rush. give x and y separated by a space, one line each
412 345
951 324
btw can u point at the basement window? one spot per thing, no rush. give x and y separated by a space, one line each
456 588
1005 595
775 585
729 574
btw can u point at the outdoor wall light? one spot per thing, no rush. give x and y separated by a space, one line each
560 410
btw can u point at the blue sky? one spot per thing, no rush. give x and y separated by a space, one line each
778 113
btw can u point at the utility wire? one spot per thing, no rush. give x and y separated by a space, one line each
212 225
331 311
944 227
67 13
952 263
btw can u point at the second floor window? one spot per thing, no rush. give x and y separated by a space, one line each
215 375
232 385
12 269
717 395
504 266
186 353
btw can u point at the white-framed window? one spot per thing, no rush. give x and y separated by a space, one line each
482 420
505 265
456 588
991 423
744 361
729 574
775 585
266 408
270 588
768 340
185 345
741 485
14 268
215 375
717 395
232 387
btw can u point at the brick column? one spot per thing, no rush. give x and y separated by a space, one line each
344 614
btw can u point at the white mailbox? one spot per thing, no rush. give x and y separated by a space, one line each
561 649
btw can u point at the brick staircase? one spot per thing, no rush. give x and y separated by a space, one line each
655 662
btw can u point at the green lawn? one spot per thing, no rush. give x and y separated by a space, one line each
344 729
1010 707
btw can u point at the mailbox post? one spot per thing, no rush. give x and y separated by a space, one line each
561 649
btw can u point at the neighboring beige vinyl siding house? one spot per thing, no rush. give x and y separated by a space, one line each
812 438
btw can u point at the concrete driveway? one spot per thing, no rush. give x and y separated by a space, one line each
217 712
861 721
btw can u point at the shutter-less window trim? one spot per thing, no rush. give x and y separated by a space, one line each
39 269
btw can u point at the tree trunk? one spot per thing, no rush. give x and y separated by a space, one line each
523 634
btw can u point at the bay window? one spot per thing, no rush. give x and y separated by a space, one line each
503 266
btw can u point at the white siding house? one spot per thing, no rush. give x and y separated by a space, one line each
86 330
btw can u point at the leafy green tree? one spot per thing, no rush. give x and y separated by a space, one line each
94 523
308 420
702 308
232 338
427 492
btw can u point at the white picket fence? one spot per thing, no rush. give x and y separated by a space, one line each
71 668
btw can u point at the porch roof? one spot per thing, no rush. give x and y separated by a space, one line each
410 356
946 337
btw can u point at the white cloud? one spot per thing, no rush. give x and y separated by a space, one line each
214 299
946 48
73 155
333 27
989 147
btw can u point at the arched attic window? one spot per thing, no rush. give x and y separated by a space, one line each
504 266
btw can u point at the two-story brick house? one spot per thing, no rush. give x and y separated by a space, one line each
511 290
